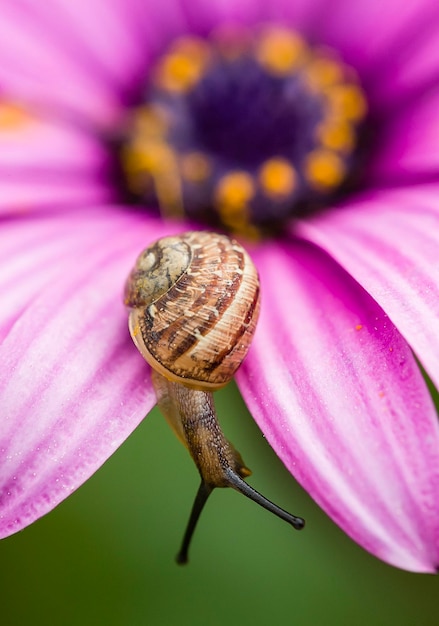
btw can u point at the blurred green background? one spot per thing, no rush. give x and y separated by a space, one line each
106 555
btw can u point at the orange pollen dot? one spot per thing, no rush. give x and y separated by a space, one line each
153 164
150 122
12 116
237 220
235 189
358 326
280 51
347 101
277 177
147 153
323 72
195 167
336 135
324 169
183 67
153 156
235 217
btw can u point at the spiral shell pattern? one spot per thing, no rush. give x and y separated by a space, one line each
194 302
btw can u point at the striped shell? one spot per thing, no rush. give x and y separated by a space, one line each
194 302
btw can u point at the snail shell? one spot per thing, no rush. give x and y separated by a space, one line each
194 301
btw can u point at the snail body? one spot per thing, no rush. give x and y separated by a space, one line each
194 303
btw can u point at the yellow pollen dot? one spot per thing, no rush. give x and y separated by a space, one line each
235 218
232 195
336 135
235 189
150 122
153 156
250 232
347 101
277 177
12 116
280 51
155 162
195 167
147 152
323 72
324 169
136 328
183 67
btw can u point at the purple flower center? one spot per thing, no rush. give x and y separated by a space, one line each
244 130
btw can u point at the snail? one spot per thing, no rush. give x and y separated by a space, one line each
194 304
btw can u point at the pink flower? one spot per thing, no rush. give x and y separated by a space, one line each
347 293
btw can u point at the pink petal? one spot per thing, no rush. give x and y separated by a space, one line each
370 34
407 146
156 21
116 39
414 68
72 384
33 68
101 36
302 15
47 163
204 16
24 195
38 144
340 398
389 242
33 252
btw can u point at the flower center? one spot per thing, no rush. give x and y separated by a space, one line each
244 129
